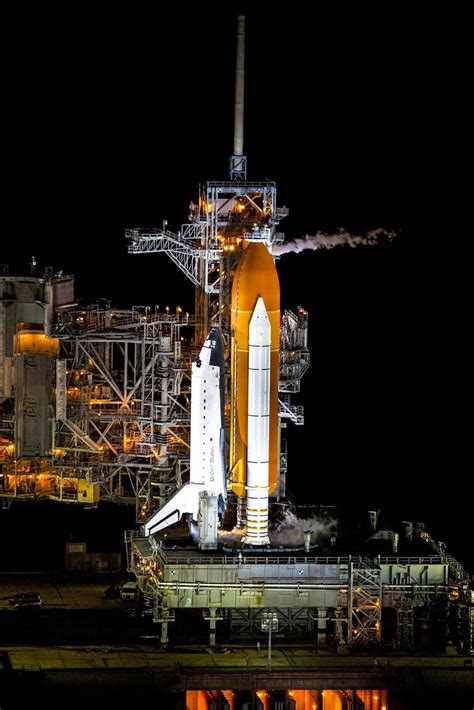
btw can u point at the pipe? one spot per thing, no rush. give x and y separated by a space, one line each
243 586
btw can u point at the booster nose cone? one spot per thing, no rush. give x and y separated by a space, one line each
259 322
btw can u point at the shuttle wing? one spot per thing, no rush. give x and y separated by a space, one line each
184 501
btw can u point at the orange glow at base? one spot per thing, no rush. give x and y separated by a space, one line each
328 699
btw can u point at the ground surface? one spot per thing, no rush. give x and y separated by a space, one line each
80 647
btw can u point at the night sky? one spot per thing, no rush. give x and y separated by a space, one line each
112 120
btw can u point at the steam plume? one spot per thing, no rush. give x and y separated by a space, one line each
231 537
290 531
322 240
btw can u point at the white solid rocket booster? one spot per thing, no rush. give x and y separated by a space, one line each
258 426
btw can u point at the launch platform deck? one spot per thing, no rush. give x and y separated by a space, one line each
353 601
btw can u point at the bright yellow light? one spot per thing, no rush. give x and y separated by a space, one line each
37 342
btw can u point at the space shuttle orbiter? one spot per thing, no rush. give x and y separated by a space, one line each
205 493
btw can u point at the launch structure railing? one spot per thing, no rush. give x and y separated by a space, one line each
289 559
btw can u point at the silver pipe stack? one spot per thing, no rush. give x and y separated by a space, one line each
239 88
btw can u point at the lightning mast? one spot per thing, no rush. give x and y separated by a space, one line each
238 161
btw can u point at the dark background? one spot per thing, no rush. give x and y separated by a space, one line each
113 118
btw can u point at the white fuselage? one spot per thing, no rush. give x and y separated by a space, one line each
206 485
206 425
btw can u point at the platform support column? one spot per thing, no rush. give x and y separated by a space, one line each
338 621
162 615
212 627
164 638
213 617
322 623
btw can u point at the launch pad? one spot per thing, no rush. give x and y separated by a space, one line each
344 598
401 600
184 415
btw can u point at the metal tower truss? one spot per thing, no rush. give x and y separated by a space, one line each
405 625
294 354
226 214
243 209
289 411
122 402
294 361
469 636
281 491
184 248
365 607
7 426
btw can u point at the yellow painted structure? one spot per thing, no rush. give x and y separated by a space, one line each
36 343
87 492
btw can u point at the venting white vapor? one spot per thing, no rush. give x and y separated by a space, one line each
290 531
322 240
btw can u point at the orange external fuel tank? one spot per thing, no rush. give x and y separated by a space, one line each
256 276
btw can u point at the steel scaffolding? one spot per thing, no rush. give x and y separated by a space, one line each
365 605
124 404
